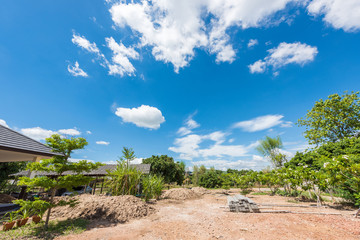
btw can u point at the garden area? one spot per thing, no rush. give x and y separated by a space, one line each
313 195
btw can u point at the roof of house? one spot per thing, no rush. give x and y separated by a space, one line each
101 171
11 140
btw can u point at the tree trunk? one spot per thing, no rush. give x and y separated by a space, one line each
53 191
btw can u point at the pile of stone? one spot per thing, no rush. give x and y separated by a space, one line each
240 203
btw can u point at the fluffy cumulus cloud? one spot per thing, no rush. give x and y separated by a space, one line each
284 54
173 29
121 64
120 61
102 143
39 133
262 123
71 132
143 116
3 123
344 14
76 71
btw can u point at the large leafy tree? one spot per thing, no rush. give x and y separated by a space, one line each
59 165
270 147
332 119
165 166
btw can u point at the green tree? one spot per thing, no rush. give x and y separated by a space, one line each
165 166
211 179
270 147
332 119
128 155
59 165
7 168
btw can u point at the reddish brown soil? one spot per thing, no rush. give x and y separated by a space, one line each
208 218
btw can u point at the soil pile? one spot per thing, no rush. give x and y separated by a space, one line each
200 190
4 198
180 194
117 209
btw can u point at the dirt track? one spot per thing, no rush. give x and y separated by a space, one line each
207 218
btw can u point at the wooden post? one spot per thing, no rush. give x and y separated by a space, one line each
94 189
102 185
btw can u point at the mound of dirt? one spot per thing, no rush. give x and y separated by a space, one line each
180 194
4 198
200 190
117 209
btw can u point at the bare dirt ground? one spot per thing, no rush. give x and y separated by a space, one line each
208 218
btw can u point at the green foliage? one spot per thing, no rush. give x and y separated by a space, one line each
36 207
167 168
7 168
124 179
10 216
152 186
54 230
211 179
59 165
270 147
333 119
128 155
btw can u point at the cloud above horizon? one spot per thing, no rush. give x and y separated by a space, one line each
262 123
144 116
339 14
76 70
173 29
39 133
284 54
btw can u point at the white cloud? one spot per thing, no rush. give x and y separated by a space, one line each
284 54
82 42
222 164
343 14
72 132
190 124
252 43
135 161
189 146
121 54
262 123
76 70
102 143
143 116
37 133
173 29
258 67
88 132
120 64
3 123
79 159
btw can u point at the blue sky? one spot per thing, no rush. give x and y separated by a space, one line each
201 81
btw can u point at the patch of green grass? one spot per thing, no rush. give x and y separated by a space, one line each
37 231
260 193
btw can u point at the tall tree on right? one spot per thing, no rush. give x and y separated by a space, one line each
332 119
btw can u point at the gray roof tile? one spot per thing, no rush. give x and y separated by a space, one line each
14 141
